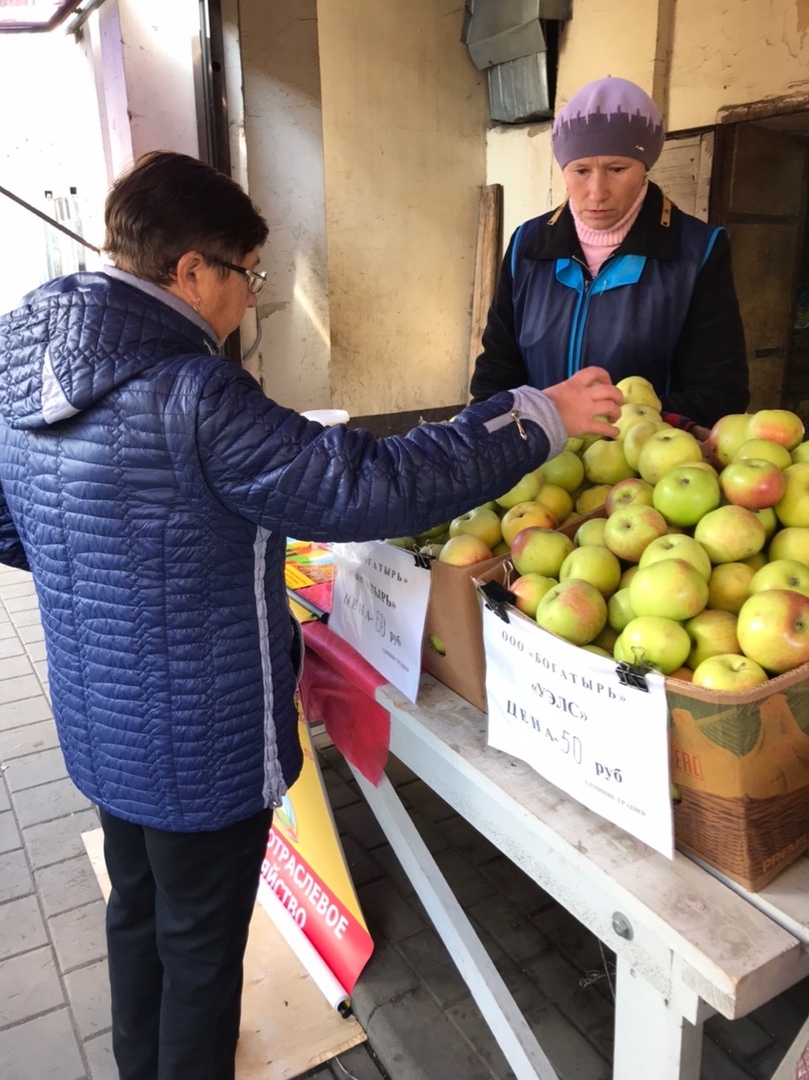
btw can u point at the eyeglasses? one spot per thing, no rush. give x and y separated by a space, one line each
256 279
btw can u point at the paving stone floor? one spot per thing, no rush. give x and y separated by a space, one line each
421 1021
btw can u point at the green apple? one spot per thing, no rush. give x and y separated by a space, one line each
664 451
759 559
574 610
790 543
678 546
793 507
557 500
628 574
464 551
711 632
630 529
597 650
727 435
607 638
781 574
637 436
800 453
627 492
657 641
408 542
765 450
540 551
729 586
524 515
604 462
730 533
566 470
729 672
438 532
685 494
639 390
773 629
777 425
575 443
753 482
528 590
525 490
769 519
592 498
635 413
597 565
619 610
591 532
480 522
672 588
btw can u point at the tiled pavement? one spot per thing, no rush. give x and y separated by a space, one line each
420 1020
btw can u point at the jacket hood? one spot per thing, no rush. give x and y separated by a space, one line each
77 338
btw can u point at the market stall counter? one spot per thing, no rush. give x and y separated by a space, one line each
687 943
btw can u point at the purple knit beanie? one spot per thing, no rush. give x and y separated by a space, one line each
608 118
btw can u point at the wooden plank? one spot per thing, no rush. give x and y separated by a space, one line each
487 263
287 1027
688 927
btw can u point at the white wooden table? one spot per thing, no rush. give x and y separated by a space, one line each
687 944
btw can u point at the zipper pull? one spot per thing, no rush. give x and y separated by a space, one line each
516 418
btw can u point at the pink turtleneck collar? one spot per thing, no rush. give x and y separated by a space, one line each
599 244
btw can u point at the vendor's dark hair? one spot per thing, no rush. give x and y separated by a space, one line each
167 204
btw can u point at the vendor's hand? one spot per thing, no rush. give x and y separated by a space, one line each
587 401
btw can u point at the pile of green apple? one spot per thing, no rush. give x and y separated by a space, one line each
697 564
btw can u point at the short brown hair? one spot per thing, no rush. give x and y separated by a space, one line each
168 204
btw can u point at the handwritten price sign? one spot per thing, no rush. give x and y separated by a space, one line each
566 713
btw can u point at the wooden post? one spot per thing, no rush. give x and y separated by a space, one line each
487 263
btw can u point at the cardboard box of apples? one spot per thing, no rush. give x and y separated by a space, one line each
692 560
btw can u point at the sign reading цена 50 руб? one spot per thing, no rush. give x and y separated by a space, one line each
566 713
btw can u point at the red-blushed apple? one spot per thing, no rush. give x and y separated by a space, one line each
752 482
597 565
566 470
685 494
523 516
633 412
685 674
730 533
574 610
557 500
540 551
678 546
656 641
773 629
711 632
672 588
480 522
777 425
790 543
781 574
528 590
628 492
729 586
640 391
630 529
619 610
793 507
727 435
590 532
604 462
637 436
591 498
664 451
525 490
464 551
729 672
764 450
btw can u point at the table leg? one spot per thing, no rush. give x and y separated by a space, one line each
650 1029
513 1035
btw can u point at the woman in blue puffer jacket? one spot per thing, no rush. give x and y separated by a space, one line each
149 485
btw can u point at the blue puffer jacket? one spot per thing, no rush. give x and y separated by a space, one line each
150 486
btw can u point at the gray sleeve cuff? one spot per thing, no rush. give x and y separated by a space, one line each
532 404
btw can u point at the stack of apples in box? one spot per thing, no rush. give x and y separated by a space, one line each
699 566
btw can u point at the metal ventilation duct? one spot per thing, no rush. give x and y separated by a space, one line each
506 38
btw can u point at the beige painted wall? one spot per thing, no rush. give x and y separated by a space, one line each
404 120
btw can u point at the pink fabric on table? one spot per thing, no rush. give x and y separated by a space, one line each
337 690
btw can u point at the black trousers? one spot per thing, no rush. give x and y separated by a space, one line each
177 923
